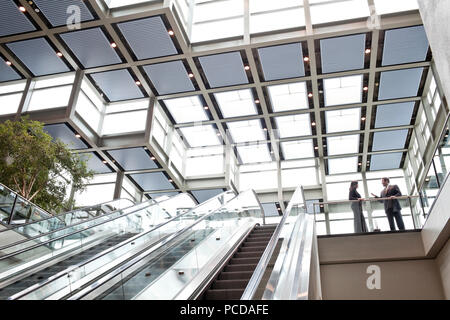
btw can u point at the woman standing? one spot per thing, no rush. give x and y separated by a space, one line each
359 221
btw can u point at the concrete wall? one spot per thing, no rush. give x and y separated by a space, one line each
436 17
405 270
404 280
443 264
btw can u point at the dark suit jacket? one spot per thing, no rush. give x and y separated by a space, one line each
394 204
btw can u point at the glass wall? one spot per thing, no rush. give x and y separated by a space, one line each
10 96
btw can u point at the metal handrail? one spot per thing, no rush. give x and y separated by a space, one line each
103 253
19 196
365 200
12 227
256 278
139 256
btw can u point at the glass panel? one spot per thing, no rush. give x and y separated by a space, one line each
189 109
124 122
200 166
344 90
246 131
388 6
298 149
338 10
287 97
342 165
199 136
294 126
40 98
10 103
254 153
87 110
343 120
343 145
236 103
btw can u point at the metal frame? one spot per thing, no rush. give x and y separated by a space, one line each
246 43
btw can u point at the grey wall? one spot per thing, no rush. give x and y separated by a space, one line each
436 18
443 264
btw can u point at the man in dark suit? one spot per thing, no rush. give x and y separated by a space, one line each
392 206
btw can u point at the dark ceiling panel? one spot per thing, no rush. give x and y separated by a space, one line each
94 163
133 159
389 140
386 161
148 38
225 69
152 181
38 56
117 85
12 21
91 47
282 62
7 73
169 77
343 53
56 12
400 83
397 114
203 195
62 132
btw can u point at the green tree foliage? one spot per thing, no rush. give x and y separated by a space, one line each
36 167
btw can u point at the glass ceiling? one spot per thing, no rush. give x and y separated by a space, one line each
277 87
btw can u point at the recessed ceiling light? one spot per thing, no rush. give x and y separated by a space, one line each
257 101
310 95
153 158
265 129
316 148
8 63
306 59
171 32
359 163
368 51
21 8
191 75
206 107
218 134
59 54
104 161
170 180
138 83
313 124
78 135
363 118
366 88
247 68
113 44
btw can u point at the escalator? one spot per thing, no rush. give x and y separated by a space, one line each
48 272
234 277
111 241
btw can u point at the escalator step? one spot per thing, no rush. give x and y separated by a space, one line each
248 254
255 244
252 249
240 267
239 275
256 239
244 260
229 284
223 294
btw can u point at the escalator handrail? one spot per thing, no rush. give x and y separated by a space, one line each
12 227
145 252
257 276
144 205
121 244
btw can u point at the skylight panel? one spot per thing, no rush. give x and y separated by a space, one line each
338 10
389 6
342 165
343 120
345 90
297 149
294 126
122 3
254 153
246 131
343 144
188 109
236 103
200 136
287 97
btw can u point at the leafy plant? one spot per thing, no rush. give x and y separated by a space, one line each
38 168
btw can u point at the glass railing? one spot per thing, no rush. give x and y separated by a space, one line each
28 253
366 215
52 223
180 261
437 173
71 280
14 209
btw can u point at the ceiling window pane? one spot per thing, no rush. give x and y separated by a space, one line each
389 6
200 136
246 131
343 120
188 109
59 98
287 97
297 149
263 180
268 15
343 90
10 103
342 165
254 153
201 166
294 126
292 178
121 3
343 145
126 122
338 10
236 103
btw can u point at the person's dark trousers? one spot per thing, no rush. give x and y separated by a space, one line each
397 215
